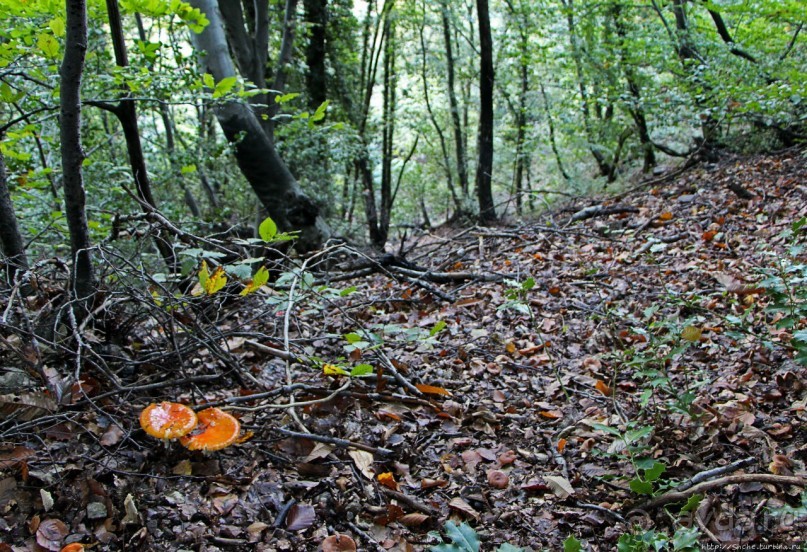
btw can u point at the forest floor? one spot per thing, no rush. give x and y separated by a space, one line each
615 371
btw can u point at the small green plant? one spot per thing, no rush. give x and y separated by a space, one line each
630 441
786 286
464 539
684 540
516 296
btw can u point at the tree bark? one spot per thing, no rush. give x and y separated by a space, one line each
82 278
126 112
316 77
387 129
257 157
10 237
484 170
459 142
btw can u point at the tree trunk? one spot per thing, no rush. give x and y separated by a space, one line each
637 109
126 112
459 142
82 278
484 170
10 237
316 77
260 163
387 130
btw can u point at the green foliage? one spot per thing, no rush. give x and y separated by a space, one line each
517 296
464 538
786 286
684 540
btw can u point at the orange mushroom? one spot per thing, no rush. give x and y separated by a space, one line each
216 430
73 547
167 420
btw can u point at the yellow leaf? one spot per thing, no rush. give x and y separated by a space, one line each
260 278
691 333
216 281
432 390
388 480
333 370
204 280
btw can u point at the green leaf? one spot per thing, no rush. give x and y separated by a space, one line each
686 539
692 504
437 328
607 429
267 230
347 291
655 472
463 536
361 370
48 45
57 26
188 169
208 81
223 86
571 544
283 98
319 114
352 337
528 284
641 487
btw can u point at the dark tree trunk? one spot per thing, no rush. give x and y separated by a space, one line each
484 170
459 142
552 140
10 237
126 112
387 130
637 109
260 163
170 145
316 79
82 278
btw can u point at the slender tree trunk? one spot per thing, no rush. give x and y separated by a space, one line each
257 157
552 140
10 237
82 278
484 170
170 145
459 142
435 123
126 112
388 128
637 108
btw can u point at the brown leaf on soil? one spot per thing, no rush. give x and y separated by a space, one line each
459 505
301 516
338 543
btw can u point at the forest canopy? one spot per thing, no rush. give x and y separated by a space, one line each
362 119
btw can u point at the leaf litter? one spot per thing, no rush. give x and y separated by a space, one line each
604 360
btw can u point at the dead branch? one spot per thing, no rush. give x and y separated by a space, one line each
601 211
680 496
336 441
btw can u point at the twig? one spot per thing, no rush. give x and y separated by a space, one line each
700 513
344 443
610 513
716 472
291 404
680 496
409 501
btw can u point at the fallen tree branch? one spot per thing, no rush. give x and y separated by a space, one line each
680 496
600 211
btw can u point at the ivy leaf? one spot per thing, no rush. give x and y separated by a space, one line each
641 487
571 544
463 536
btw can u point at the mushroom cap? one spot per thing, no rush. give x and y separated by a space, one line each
73 547
216 430
167 420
